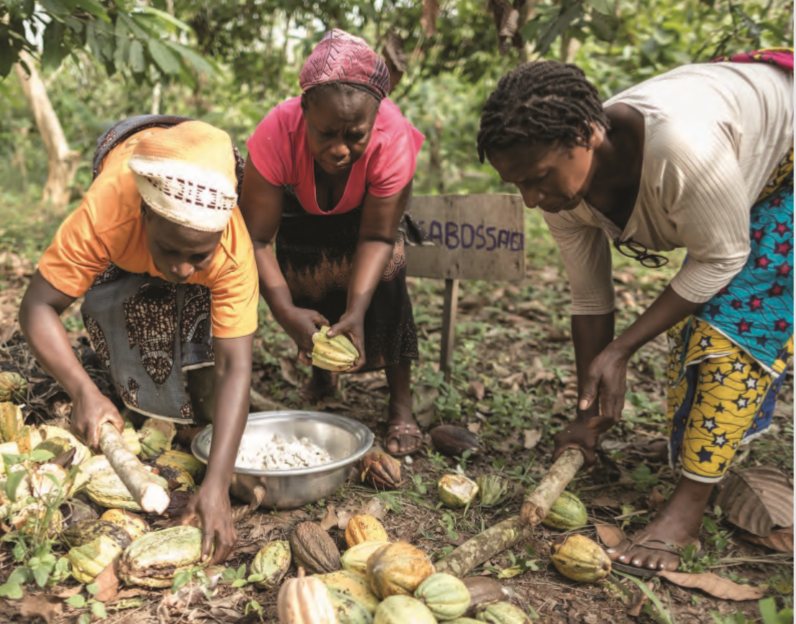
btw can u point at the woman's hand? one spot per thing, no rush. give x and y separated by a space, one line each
300 324
578 435
607 378
90 410
352 325
211 505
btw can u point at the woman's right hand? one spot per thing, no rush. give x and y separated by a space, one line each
90 409
300 324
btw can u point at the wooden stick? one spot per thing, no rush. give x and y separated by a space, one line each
538 504
514 530
144 486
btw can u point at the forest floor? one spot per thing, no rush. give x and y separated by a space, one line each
514 385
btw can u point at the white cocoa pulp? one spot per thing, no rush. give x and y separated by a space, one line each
280 453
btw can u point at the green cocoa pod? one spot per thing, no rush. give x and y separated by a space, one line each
456 490
155 436
349 611
444 595
567 513
14 388
272 562
402 610
90 559
493 490
134 526
503 613
154 559
176 477
351 585
87 531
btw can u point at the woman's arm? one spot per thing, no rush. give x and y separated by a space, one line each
39 320
233 364
377 231
261 206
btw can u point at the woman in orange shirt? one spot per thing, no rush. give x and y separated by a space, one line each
160 251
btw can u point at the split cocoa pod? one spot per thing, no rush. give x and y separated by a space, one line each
364 528
398 569
305 600
336 354
135 526
11 421
313 549
155 559
380 470
580 559
271 562
456 490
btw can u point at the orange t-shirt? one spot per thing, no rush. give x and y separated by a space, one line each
107 228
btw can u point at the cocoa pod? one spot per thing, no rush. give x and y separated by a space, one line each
380 470
503 613
483 591
398 569
313 548
11 421
456 490
13 388
444 595
305 600
355 559
580 559
402 610
155 559
271 562
135 526
567 513
87 531
351 585
454 441
364 528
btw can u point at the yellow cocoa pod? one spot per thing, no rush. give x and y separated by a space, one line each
355 559
11 421
185 461
402 610
90 467
305 600
154 559
130 437
90 559
398 569
364 528
135 526
351 585
567 513
334 354
28 438
581 559
49 433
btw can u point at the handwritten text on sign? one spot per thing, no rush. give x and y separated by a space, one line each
473 236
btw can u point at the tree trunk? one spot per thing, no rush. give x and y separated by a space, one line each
62 162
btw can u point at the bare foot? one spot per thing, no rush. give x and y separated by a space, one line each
322 384
658 546
403 434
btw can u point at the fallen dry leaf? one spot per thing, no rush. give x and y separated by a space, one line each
289 371
637 603
40 606
108 582
476 390
532 437
250 548
605 501
609 534
330 519
68 592
656 499
714 585
474 427
757 500
374 508
780 540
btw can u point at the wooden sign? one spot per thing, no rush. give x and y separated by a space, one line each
474 237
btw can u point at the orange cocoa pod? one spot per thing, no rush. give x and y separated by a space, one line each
364 528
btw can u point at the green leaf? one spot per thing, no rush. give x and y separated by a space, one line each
137 63
167 17
98 609
85 618
180 580
228 575
557 26
255 578
511 572
606 7
41 574
53 50
239 583
77 601
163 57
12 483
196 61
10 590
19 551
94 8
55 8
40 456
241 571
92 588
123 41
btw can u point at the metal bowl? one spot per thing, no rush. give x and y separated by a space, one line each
344 439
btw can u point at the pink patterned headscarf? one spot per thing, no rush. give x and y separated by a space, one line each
341 57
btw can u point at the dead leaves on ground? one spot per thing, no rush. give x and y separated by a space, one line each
714 585
780 540
757 500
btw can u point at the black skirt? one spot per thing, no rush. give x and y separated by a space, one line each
316 253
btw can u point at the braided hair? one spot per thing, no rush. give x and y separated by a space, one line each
540 102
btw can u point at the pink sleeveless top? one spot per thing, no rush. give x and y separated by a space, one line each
280 152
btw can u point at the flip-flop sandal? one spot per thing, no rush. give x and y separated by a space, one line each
648 572
396 430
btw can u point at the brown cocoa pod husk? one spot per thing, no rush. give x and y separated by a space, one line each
314 549
380 470
453 441
483 591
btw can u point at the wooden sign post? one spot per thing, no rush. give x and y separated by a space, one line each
472 237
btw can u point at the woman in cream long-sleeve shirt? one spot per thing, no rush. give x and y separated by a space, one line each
700 157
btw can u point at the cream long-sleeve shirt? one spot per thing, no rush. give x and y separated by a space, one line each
713 135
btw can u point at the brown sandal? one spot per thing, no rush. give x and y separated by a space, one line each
396 430
650 544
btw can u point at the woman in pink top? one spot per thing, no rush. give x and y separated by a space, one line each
328 178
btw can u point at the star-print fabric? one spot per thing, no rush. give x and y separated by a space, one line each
727 362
